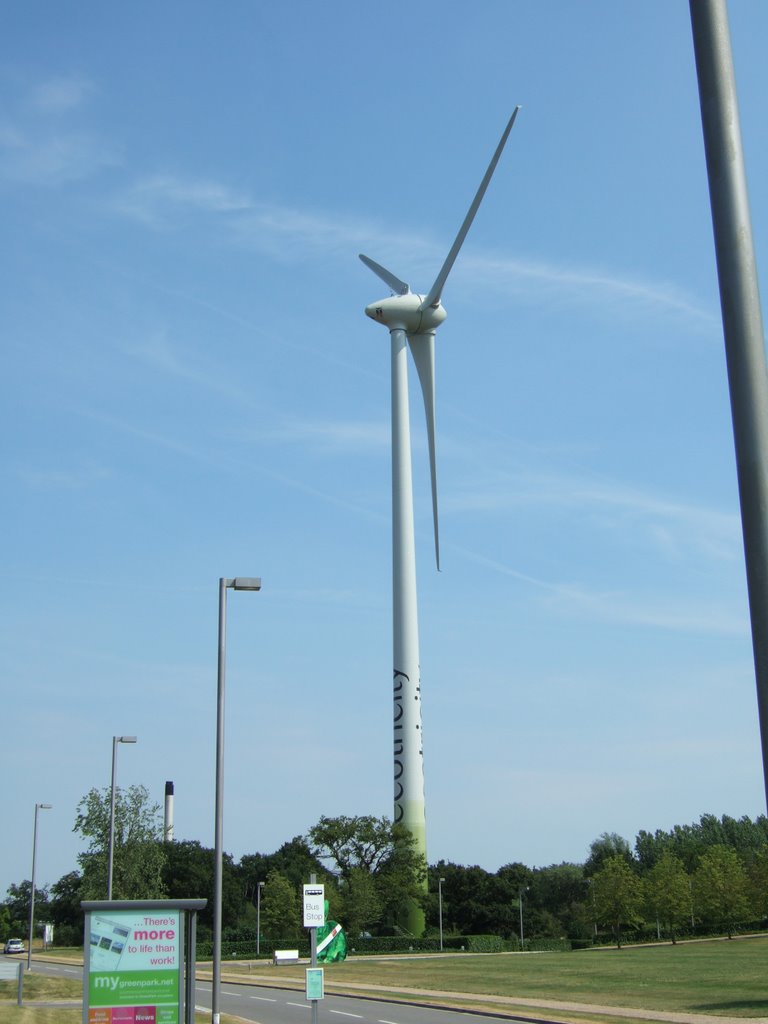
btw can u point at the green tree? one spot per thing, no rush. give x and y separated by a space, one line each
138 853
607 846
721 886
5 923
668 892
690 842
294 860
17 902
468 904
366 845
188 874
65 910
560 893
650 847
280 917
757 873
618 895
361 905
510 891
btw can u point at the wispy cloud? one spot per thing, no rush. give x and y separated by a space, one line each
55 159
222 461
160 200
41 142
60 93
291 234
672 526
156 351
60 478
333 437
584 285
620 607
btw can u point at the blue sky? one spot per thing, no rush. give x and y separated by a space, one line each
191 390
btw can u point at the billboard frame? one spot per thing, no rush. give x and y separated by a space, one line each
187 912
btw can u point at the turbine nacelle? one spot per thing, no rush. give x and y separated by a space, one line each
406 313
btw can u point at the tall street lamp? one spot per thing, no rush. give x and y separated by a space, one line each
239 583
440 908
259 887
111 855
38 807
523 888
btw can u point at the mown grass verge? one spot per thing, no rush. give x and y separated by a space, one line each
40 989
720 978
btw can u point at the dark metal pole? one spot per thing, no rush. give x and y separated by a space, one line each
259 887
111 844
522 934
238 583
742 318
45 807
440 908
32 894
313 954
218 827
190 939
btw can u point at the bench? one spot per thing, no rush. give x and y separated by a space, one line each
285 956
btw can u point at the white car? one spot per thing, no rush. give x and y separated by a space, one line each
14 946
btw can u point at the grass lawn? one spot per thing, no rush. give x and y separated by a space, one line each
38 987
718 977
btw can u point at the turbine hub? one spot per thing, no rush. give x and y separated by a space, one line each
405 312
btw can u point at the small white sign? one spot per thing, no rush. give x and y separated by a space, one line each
314 906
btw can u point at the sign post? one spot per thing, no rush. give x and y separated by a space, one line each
314 917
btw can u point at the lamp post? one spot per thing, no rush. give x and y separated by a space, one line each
523 888
111 855
239 583
38 807
259 887
440 908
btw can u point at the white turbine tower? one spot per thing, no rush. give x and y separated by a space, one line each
412 321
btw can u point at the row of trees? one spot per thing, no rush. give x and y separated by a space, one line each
712 874
721 891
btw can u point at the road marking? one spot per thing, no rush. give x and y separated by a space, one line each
387 1022
263 999
357 1016
303 1006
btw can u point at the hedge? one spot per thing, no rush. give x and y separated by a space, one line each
243 946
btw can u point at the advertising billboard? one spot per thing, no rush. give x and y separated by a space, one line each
135 967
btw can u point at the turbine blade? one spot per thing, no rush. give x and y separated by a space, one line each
423 350
436 291
398 287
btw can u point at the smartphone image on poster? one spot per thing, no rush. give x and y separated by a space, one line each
108 939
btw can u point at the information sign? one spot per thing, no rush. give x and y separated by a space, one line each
314 906
315 986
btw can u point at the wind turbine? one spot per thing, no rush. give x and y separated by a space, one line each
412 321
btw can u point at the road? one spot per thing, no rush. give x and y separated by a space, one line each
288 1006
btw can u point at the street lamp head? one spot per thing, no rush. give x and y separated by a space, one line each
126 739
261 885
45 807
441 879
246 583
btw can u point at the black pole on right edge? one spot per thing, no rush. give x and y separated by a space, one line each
742 318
